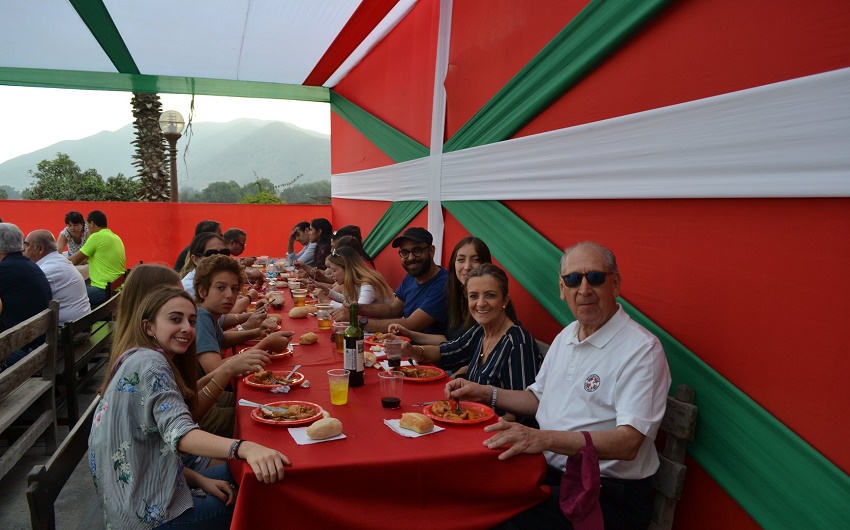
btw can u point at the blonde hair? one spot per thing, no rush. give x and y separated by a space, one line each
358 273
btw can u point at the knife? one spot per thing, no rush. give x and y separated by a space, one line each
278 410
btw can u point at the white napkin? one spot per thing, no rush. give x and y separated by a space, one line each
386 365
299 434
393 424
284 389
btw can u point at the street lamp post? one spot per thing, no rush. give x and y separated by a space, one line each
171 123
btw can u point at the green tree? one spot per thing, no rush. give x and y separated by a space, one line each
8 192
61 179
3 194
310 193
150 157
262 196
122 189
189 194
225 192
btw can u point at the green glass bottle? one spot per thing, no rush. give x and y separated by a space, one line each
354 349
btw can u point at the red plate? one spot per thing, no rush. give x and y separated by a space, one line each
285 353
488 413
255 414
297 379
368 342
440 375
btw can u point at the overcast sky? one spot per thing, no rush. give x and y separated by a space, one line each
33 118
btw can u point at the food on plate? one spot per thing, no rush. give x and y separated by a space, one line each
276 300
413 421
288 413
298 312
325 428
308 338
375 349
276 318
419 372
369 359
377 337
267 377
447 410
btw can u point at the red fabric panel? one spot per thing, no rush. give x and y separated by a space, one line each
351 151
703 48
491 41
158 231
367 15
705 505
395 80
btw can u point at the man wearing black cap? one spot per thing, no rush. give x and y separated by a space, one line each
420 300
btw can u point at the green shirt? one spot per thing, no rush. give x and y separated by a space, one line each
105 251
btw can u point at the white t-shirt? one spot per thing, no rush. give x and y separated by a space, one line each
68 286
188 282
617 376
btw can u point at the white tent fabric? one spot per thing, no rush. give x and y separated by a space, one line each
788 139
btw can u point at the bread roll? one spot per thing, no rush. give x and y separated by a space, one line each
298 312
413 421
308 338
325 428
369 359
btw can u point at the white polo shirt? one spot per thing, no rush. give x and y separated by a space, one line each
68 286
617 376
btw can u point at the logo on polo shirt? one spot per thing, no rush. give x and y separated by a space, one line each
592 383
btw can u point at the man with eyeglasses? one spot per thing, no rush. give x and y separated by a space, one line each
604 374
420 300
105 252
234 240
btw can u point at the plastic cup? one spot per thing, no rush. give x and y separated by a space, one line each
339 336
299 296
323 315
338 382
391 386
392 347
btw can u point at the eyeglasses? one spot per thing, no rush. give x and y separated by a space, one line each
240 243
213 252
594 278
416 251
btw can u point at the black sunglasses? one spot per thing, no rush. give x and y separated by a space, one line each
594 278
213 252
416 251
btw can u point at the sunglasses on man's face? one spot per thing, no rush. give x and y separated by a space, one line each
213 252
416 251
594 278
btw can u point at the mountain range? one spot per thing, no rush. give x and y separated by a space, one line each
242 150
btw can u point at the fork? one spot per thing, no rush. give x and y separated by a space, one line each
457 410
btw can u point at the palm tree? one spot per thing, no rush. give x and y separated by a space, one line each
150 157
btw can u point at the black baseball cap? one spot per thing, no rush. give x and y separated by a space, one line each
414 233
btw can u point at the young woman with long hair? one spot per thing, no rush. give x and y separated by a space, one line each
359 282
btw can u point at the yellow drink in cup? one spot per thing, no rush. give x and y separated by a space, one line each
299 296
323 316
338 382
339 336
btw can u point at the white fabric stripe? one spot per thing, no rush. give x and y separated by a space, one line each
438 125
788 139
406 181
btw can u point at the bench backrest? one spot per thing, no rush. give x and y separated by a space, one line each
679 424
29 382
100 322
45 482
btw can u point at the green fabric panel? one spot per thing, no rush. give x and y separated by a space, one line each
159 84
103 29
394 143
500 228
779 479
590 38
391 223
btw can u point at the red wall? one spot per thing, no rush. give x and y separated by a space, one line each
158 231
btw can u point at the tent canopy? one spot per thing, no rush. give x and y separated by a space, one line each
249 48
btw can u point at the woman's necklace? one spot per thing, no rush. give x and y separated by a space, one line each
488 343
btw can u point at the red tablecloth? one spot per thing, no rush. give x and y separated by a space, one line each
375 478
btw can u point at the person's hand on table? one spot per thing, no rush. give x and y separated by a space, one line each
255 320
276 342
269 325
267 464
340 314
520 438
262 305
249 361
398 329
468 391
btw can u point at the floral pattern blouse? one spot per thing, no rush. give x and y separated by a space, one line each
73 247
133 444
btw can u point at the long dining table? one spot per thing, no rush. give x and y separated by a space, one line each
375 478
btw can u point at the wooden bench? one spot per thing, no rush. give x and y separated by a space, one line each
45 482
29 383
679 424
82 360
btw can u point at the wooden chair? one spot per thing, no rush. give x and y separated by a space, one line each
29 383
679 424
45 482
82 360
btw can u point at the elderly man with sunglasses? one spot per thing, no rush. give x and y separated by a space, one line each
420 300
605 374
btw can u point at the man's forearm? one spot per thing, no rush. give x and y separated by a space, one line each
377 311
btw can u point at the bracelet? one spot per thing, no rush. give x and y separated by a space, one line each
234 450
216 384
206 392
493 394
239 327
422 351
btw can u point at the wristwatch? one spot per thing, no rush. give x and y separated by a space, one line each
363 321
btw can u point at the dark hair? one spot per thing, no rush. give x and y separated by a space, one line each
348 230
303 225
458 311
74 217
488 269
353 242
212 265
207 226
323 245
97 217
233 234
197 247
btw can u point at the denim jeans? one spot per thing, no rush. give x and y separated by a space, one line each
97 295
209 513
